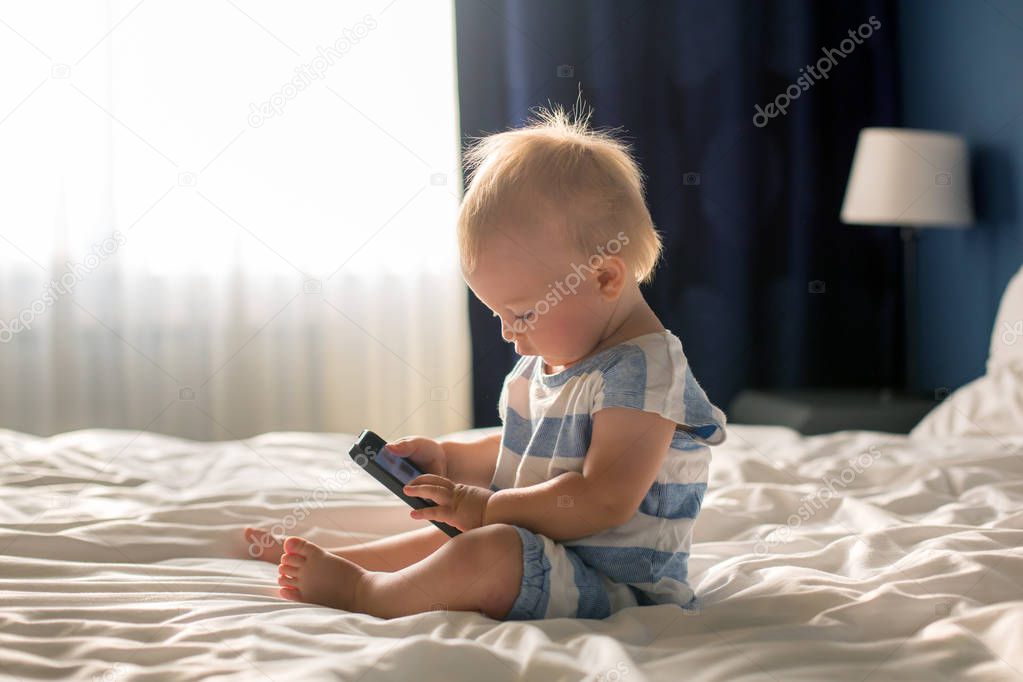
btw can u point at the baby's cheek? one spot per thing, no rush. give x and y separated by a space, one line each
573 336
566 345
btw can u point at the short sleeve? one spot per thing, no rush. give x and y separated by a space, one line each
502 400
656 377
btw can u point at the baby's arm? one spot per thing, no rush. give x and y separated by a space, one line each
626 452
473 462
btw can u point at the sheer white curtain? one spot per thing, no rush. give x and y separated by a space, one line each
225 217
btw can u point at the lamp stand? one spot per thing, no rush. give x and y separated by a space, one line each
911 319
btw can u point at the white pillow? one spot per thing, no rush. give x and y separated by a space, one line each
991 405
1007 336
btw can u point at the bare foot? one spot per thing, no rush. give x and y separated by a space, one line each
264 546
311 574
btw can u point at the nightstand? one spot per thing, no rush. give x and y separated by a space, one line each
813 411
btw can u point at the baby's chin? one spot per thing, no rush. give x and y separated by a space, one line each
551 361
523 347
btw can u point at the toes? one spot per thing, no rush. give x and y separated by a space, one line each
284 569
296 545
291 593
293 560
262 545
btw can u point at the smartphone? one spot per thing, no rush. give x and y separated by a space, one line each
370 453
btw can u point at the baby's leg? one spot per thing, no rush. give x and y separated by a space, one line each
395 552
479 570
386 554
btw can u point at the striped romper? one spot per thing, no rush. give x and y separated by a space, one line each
547 428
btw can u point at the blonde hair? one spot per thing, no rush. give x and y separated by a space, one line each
557 166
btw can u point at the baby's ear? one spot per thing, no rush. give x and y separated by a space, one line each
612 276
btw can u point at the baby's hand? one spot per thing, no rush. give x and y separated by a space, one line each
425 453
459 505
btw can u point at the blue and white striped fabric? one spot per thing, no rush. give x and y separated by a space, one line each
547 428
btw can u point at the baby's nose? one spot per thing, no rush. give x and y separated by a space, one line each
507 334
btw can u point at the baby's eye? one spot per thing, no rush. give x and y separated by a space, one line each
527 316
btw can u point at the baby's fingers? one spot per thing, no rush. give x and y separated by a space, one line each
432 479
438 494
431 513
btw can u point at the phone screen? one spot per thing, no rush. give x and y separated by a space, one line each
398 467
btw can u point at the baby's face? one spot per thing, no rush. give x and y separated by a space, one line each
545 306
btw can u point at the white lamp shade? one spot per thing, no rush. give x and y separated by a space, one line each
903 177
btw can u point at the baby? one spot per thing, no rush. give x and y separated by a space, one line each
584 504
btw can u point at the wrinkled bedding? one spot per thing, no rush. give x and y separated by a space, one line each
854 555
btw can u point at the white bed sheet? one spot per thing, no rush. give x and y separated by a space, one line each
121 558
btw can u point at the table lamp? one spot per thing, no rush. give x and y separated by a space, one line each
910 179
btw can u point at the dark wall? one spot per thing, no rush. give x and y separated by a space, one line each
962 71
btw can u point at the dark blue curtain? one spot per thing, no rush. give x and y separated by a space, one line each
761 282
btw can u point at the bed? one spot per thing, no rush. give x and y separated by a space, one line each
854 555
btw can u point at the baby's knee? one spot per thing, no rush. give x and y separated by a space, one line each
491 543
492 566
